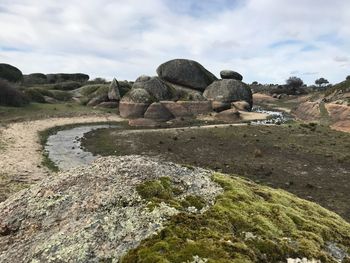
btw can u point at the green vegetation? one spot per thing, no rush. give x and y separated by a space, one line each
10 185
248 223
36 111
162 190
10 95
340 87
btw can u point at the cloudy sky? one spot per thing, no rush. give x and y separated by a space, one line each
264 40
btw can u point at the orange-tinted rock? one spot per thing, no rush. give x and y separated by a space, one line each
132 110
196 107
176 109
157 111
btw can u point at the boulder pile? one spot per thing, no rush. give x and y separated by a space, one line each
184 88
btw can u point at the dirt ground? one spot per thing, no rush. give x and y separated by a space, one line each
21 152
310 161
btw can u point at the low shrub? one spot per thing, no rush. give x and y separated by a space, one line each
34 95
10 96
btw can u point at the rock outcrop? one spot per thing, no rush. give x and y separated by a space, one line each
155 87
135 103
187 73
229 90
93 214
113 92
158 112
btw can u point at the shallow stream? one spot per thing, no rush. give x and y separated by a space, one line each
64 147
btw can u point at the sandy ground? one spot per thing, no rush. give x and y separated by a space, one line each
21 156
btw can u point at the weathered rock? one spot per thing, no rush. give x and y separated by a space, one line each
307 111
135 103
10 73
90 214
156 88
196 107
108 104
230 74
220 105
186 73
97 100
241 105
113 92
143 78
157 111
176 109
142 122
137 95
34 78
183 93
132 109
229 90
231 115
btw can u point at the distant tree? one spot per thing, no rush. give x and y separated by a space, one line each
294 84
321 81
348 77
254 83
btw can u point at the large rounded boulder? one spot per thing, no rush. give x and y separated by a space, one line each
10 73
186 73
229 90
230 74
135 103
155 87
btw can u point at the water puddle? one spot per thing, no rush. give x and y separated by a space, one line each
275 117
64 147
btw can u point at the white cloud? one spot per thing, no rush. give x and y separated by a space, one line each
128 38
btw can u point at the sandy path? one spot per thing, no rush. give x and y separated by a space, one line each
22 155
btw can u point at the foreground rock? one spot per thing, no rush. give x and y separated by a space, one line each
186 73
92 214
229 90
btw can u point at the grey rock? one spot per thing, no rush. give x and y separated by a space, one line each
113 92
230 74
186 73
143 78
229 90
156 88
138 95
97 100
94 213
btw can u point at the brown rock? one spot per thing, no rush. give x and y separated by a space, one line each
157 111
219 106
143 122
196 107
231 115
132 109
307 111
176 109
241 105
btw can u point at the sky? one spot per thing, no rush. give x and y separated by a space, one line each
264 40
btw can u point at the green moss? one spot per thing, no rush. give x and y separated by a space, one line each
280 225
